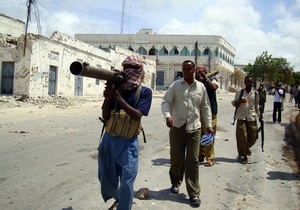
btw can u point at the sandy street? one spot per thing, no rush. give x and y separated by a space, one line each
48 157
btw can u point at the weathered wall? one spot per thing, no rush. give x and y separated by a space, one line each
32 69
11 26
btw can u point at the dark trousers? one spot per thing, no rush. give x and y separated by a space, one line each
185 159
296 99
277 108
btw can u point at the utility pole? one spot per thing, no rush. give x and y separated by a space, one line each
26 27
209 61
122 17
196 54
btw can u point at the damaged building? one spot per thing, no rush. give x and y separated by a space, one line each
40 66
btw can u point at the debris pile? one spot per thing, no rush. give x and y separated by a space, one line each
58 101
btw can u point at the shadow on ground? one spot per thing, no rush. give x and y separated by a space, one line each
280 175
165 195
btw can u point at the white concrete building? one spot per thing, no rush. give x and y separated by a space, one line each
11 27
43 69
169 51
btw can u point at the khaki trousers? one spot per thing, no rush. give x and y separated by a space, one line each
208 152
246 136
184 159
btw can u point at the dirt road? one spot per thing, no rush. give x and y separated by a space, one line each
48 158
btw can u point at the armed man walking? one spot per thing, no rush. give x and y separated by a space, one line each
247 102
208 151
122 110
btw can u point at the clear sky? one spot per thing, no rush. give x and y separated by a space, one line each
250 26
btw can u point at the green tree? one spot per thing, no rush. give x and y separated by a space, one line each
267 68
295 80
282 69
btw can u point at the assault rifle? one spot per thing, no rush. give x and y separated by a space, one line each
261 129
262 134
236 108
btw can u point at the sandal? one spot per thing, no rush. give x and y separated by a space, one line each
209 163
244 161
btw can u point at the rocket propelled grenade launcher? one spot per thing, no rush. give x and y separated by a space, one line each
84 69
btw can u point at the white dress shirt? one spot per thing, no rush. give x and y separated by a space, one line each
184 102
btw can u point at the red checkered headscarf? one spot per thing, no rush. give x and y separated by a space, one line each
132 75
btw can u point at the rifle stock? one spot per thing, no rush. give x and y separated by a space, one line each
236 108
234 119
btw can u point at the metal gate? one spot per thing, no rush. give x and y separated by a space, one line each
52 80
160 78
7 84
78 86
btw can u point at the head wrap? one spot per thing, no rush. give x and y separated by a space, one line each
132 75
202 68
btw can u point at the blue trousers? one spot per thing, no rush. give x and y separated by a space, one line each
117 169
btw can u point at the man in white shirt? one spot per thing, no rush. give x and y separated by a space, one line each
278 94
181 108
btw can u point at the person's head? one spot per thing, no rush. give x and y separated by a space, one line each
248 82
198 70
261 85
202 68
132 71
188 70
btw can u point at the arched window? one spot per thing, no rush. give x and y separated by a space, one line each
152 51
185 52
142 51
174 51
206 51
163 51
194 52
216 52
130 48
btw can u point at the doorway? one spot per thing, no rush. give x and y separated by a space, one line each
7 81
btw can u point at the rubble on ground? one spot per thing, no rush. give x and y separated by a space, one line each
58 101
